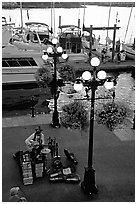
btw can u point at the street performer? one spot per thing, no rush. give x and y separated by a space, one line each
35 142
36 139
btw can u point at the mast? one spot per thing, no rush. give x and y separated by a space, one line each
21 17
51 17
128 22
108 21
54 15
83 18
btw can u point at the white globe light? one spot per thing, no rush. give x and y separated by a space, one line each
95 62
45 57
78 86
59 49
101 74
86 75
54 41
64 56
49 49
109 84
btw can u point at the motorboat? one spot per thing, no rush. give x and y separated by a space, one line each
70 38
41 29
130 51
24 39
20 66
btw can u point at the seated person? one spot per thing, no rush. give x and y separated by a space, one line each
34 144
36 139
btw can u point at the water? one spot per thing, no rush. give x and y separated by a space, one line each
94 15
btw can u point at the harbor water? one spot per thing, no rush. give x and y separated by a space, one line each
97 16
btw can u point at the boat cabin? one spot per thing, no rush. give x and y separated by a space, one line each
70 38
41 28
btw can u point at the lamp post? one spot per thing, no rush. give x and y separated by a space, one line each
92 82
55 52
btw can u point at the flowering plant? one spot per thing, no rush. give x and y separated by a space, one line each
111 114
74 116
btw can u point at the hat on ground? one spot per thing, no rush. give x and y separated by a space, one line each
14 190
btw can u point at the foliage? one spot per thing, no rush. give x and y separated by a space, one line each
43 76
74 116
67 73
111 114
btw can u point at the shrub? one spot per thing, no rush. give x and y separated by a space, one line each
67 73
74 116
111 114
43 76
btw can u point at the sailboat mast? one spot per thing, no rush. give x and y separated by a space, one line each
21 17
51 17
54 15
108 21
128 22
84 17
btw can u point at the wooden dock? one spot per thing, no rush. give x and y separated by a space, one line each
128 65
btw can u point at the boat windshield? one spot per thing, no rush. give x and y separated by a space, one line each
73 30
38 27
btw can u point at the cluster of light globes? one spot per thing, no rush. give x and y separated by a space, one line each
50 50
101 75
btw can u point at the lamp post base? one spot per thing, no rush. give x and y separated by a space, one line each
88 185
55 120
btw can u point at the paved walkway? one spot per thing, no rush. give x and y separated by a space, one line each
26 120
124 132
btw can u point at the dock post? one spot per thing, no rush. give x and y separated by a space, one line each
32 107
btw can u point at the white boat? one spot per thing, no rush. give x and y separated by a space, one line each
29 46
130 52
96 47
19 65
70 38
18 38
41 29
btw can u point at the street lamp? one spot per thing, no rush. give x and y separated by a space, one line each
55 52
92 82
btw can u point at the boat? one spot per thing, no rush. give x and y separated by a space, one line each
19 66
70 38
129 48
96 47
41 29
29 45
19 38
130 51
